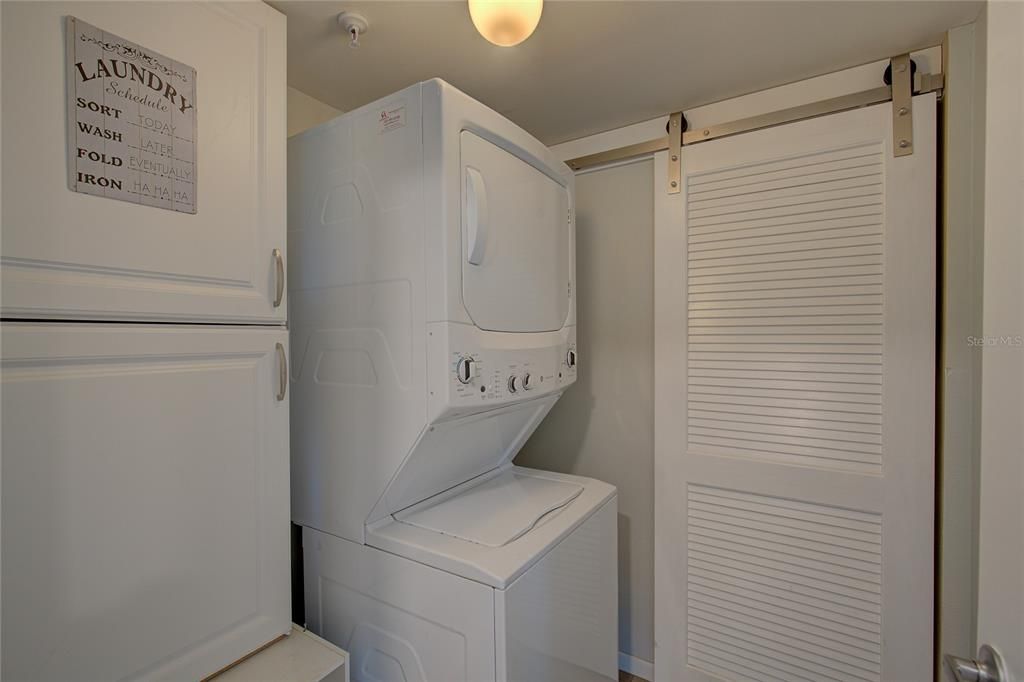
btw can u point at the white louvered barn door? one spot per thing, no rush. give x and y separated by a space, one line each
795 354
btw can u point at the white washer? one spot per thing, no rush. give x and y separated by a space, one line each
452 597
433 311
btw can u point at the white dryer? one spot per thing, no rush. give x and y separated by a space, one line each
432 297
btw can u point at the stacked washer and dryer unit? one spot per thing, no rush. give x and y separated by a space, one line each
432 299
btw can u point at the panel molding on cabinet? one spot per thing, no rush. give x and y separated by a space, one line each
145 499
74 256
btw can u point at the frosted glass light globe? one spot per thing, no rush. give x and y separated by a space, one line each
506 22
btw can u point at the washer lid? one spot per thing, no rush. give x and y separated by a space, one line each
496 512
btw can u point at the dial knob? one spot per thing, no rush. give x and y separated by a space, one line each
513 384
526 382
570 358
465 370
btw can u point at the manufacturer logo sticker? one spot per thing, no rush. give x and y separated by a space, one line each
390 119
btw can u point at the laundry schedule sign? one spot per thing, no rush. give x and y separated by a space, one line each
131 121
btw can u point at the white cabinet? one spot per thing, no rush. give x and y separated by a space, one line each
145 467
74 256
145 499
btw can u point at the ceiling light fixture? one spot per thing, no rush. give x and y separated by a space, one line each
506 22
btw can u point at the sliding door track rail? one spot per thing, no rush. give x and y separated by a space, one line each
678 136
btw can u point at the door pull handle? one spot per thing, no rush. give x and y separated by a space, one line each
279 280
282 378
987 667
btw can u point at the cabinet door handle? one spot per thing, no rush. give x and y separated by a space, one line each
282 364
279 265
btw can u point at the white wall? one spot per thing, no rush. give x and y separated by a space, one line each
603 426
304 111
1001 538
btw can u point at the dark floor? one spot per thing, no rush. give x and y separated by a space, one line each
627 677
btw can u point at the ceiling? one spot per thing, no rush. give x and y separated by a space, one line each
594 66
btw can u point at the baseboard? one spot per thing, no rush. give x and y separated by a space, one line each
636 666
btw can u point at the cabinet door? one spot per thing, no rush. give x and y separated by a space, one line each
145 499
68 255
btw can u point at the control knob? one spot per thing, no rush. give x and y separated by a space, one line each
465 370
526 382
570 357
513 384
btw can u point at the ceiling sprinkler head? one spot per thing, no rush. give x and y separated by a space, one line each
355 25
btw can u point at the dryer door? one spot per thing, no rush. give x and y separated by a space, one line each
516 241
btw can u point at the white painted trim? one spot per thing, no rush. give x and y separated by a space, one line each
962 281
636 666
855 79
615 164
612 139
669 325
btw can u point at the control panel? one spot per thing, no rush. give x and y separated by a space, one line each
472 371
500 376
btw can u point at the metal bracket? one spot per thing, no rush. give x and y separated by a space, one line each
675 143
902 106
